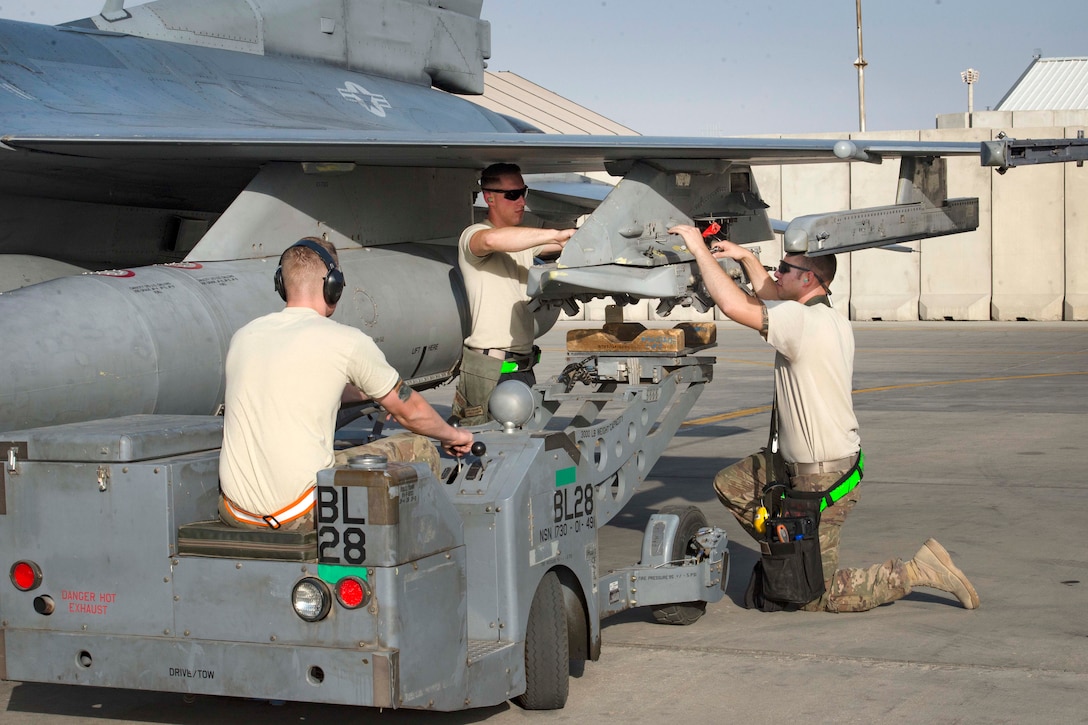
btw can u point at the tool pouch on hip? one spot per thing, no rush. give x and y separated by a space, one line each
478 377
789 572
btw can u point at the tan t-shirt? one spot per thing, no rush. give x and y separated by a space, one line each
813 376
285 375
496 296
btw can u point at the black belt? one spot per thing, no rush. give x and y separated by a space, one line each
513 362
808 469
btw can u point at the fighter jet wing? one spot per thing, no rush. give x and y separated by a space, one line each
694 177
535 153
148 139
172 137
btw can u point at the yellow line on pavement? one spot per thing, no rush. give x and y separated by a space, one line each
726 416
705 420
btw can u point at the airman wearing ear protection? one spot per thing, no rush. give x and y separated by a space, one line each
287 374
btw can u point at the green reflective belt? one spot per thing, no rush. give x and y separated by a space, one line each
512 366
844 485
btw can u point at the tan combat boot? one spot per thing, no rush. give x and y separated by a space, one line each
932 567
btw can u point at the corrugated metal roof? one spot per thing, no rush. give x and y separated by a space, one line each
1049 84
510 94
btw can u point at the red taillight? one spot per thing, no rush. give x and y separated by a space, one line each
26 575
352 592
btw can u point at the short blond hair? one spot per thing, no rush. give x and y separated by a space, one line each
303 269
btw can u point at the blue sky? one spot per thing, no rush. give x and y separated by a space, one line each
723 67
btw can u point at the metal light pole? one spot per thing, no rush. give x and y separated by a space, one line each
970 77
860 65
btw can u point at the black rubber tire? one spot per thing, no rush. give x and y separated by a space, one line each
547 658
691 520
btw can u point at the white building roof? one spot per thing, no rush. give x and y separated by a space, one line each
510 94
1049 84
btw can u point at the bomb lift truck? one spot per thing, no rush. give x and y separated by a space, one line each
412 592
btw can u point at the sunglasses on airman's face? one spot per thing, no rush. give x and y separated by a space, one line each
784 267
510 194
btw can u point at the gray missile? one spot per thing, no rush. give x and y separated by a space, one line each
153 339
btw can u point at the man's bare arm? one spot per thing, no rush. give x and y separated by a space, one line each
730 299
762 283
517 239
414 413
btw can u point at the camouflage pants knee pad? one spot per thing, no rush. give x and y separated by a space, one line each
738 487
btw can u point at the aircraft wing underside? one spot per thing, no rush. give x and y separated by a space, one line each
665 181
536 153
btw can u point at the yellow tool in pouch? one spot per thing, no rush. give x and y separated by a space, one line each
760 520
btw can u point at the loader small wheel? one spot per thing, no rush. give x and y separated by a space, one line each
547 659
691 520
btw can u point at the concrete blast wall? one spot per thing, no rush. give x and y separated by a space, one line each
1028 259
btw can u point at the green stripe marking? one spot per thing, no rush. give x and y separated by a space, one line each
565 476
332 573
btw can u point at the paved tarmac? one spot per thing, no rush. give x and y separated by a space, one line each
974 433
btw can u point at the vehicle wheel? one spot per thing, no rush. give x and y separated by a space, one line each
691 520
547 665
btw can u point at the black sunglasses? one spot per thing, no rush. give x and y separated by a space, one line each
784 267
510 194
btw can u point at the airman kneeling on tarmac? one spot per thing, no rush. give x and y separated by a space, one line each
797 514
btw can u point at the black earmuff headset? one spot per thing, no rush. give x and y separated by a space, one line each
334 281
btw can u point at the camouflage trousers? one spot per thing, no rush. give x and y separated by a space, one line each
739 488
404 447
478 377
